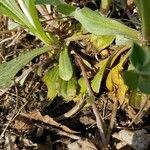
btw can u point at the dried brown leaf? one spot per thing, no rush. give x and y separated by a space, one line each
37 116
82 144
136 139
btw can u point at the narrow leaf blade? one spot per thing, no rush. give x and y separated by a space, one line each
96 82
9 69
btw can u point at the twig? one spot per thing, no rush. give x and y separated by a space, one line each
7 39
8 31
59 131
73 111
99 120
112 120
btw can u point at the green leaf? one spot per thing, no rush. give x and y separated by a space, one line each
100 25
121 40
11 9
68 88
24 13
96 82
65 9
51 2
65 65
135 99
143 70
131 79
63 89
29 9
52 81
102 41
138 56
143 8
71 88
61 6
144 84
140 59
82 84
9 69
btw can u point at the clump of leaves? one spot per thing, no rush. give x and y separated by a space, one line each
103 31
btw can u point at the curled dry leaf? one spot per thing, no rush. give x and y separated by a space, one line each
116 85
37 116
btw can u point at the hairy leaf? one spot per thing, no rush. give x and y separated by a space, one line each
121 40
65 65
9 69
71 88
143 70
100 25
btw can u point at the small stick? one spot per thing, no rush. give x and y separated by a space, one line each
73 111
94 107
112 120
58 131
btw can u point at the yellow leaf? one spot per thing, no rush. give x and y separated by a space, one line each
115 84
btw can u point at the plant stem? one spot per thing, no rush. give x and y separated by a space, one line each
112 120
143 8
99 119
